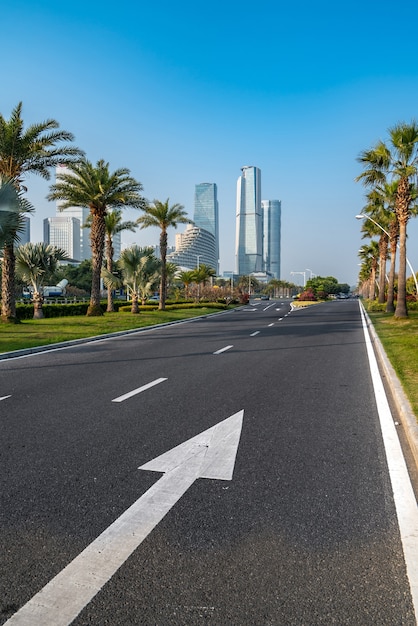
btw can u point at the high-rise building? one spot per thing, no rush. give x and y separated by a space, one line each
249 233
271 210
206 212
80 213
194 247
63 232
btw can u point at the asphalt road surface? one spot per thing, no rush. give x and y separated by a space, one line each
279 511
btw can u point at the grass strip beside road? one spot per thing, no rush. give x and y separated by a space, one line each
399 338
34 333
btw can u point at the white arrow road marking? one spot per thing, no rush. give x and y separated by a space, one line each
211 454
223 349
5 397
157 381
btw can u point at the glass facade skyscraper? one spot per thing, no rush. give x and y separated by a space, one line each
271 236
206 212
249 222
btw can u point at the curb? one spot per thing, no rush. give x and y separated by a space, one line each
403 406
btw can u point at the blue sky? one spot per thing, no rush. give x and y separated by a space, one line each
188 92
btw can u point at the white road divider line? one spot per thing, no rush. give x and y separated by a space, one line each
134 392
5 397
403 494
255 333
223 350
272 324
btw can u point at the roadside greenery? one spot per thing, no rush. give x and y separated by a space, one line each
32 333
399 339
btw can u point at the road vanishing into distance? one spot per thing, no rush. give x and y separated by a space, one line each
226 470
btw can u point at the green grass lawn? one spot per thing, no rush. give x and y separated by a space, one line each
32 333
400 341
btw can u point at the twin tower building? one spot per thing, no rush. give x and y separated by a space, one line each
258 225
258 230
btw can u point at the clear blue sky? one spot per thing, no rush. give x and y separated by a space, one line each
187 92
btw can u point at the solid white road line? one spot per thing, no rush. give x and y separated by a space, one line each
223 349
211 454
405 502
139 390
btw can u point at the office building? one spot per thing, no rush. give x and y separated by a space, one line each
194 247
206 212
64 232
81 214
271 212
249 233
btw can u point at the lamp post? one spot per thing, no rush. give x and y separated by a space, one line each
362 216
308 270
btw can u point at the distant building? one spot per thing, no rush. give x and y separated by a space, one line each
271 212
80 213
206 212
249 234
64 232
194 247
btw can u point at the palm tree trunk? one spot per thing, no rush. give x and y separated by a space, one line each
390 307
383 252
97 239
38 313
163 282
109 264
8 303
134 307
401 310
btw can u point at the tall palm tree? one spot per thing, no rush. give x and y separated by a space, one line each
35 263
369 254
371 229
399 160
94 186
381 210
24 151
113 226
163 216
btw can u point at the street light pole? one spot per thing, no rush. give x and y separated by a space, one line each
361 216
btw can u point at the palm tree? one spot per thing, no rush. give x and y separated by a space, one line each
369 254
162 215
187 278
113 225
399 160
201 275
140 273
86 185
24 151
35 263
371 229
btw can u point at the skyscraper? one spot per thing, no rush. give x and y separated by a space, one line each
63 232
206 212
80 213
249 235
271 236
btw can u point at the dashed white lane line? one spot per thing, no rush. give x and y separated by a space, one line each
139 390
403 494
255 333
5 397
272 324
223 349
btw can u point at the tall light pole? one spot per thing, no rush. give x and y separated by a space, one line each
363 216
